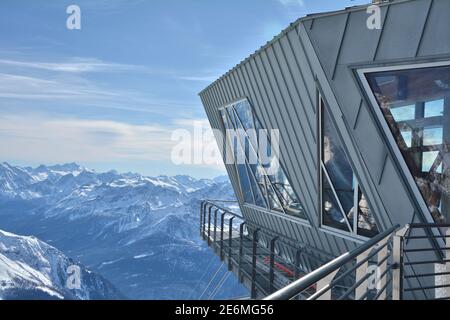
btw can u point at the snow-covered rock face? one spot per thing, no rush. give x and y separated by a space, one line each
30 269
140 233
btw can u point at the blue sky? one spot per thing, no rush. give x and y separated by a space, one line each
109 95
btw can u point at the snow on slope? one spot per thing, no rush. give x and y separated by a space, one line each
32 269
106 220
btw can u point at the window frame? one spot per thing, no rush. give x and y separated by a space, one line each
361 73
352 225
304 221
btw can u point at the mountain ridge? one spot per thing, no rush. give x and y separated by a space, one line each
30 268
106 220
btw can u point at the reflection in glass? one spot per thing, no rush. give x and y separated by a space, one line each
434 108
336 164
267 180
404 113
427 154
341 193
432 136
407 137
332 215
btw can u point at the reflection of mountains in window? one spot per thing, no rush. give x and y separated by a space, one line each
415 105
262 180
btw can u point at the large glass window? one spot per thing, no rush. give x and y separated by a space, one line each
341 192
263 181
416 106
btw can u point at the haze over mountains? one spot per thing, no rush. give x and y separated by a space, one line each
140 233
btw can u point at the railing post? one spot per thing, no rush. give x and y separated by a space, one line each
254 255
272 264
204 222
241 244
230 242
209 225
397 260
215 228
202 209
222 223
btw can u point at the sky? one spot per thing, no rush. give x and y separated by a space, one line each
110 95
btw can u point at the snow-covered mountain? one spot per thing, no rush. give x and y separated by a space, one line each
140 233
32 269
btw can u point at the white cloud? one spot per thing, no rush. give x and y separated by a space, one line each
40 139
74 65
199 78
292 2
60 140
82 92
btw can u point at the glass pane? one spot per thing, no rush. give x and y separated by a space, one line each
274 202
367 226
428 156
434 108
258 191
274 188
429 161
404 113
432 136
245 183
245 114
332 215
337 165
407 137
252 169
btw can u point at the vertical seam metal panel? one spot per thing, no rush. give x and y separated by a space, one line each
344 32
377 49
292 124
273 102
424 28
286 85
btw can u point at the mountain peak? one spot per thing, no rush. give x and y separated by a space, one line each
73 166
33 269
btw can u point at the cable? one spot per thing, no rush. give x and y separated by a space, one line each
202 277
219 285
210 281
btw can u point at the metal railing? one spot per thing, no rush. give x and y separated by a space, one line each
399 264
254 252
327 280
423 254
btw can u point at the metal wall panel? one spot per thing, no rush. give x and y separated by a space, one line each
436 29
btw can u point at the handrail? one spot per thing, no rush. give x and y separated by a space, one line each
306 282
211 203
288 241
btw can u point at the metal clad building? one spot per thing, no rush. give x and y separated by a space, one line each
322 61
